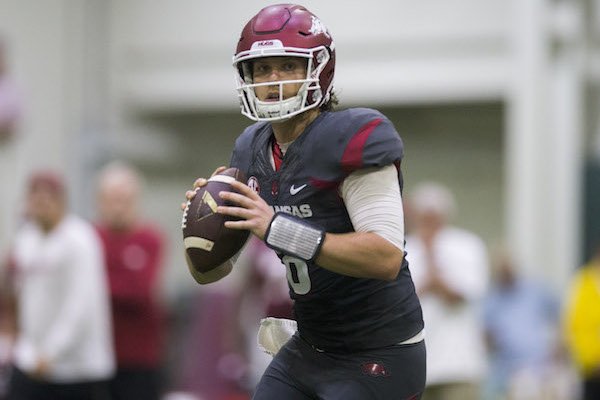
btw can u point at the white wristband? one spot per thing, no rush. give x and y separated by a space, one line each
293 236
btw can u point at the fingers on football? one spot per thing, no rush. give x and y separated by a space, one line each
237 212
244 189
203 181
240 225
200 182
249 220
219 170
190 194
238 199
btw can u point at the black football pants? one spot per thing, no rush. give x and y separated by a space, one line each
301 372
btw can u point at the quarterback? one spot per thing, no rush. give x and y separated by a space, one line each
324 191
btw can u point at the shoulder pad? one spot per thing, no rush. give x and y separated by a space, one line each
358 138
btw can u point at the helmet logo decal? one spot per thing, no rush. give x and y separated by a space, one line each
253 184
262 44
318 27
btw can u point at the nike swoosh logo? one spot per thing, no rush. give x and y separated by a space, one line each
295 190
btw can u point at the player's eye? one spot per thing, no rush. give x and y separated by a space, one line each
290 66
261 69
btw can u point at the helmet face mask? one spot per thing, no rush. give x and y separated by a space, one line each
284 31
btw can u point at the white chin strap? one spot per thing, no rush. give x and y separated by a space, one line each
277 110
280 110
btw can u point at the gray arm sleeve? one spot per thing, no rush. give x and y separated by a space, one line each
372 197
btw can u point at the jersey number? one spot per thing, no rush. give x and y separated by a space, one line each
297 274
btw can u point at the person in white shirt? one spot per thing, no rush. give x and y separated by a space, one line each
450 268
63 345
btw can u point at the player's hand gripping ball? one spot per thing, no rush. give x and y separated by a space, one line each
208 243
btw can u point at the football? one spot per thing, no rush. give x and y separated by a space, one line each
208 243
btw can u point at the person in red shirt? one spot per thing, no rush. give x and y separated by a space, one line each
134 256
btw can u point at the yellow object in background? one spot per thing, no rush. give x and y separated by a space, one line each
582 318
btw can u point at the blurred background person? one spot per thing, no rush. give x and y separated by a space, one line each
521 325
63 347
10 117
133 250
10 102
582 325
450 269
7 324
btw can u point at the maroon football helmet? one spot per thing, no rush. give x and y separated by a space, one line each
285 30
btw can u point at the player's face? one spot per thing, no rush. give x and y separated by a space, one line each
276 69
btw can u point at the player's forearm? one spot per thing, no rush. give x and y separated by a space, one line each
361 255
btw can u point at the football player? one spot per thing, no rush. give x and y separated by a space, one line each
324 191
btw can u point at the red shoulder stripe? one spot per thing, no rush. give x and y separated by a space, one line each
352 157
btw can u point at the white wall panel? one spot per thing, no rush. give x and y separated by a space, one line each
177 54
